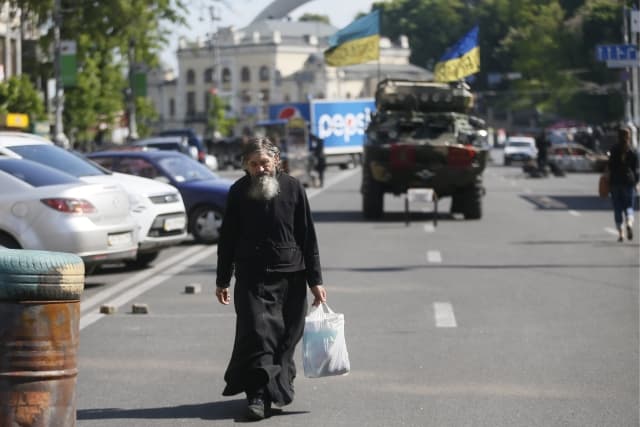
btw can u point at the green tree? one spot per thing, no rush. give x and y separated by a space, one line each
18 95
217 120
104 31
313 17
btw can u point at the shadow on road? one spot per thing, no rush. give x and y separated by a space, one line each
388 217
223 410
569 202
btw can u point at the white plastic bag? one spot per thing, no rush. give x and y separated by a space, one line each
324 349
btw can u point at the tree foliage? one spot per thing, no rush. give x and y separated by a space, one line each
18 95
217 121
104 32
550 44
313 17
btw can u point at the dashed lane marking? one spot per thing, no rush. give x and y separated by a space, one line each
574 213
611 231
444 316
429 228
434 257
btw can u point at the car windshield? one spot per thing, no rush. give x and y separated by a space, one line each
184 169
519 144
58 158
35 174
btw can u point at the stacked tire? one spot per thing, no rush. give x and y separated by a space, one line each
39 336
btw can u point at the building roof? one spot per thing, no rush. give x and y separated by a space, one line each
291 28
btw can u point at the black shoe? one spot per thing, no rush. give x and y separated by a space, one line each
629 232
255 409
620 239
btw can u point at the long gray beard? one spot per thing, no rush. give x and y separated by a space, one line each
264 187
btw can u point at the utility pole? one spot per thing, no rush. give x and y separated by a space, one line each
58 132
631 81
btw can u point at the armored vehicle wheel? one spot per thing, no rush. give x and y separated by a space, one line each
472 202
372 200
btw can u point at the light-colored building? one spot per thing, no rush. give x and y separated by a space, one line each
269 61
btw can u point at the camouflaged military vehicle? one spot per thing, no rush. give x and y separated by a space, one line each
422 137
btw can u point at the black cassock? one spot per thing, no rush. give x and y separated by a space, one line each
273 249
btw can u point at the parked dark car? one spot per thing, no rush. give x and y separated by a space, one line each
192 139
204 193
577 158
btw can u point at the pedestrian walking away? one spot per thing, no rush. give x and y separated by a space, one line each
268 242
320 158
623 178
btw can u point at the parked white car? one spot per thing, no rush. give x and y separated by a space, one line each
42 208
520 149
156 206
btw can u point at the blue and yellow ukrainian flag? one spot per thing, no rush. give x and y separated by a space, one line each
460 60
356 43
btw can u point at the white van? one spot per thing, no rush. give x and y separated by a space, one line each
519 149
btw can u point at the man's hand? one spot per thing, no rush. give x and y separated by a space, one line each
319 295
223 295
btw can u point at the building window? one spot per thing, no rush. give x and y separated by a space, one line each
208 75
245 74
278 78
264 73
172 107
287 98
246 96
191 77
191 103
264 95
226 79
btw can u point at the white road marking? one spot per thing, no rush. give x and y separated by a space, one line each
574 213
139 289
330 182
429 228
434 257
98 298
611 231
443 313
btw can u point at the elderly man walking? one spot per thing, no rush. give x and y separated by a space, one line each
268 240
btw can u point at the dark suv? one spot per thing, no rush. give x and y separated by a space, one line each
422 137
192 139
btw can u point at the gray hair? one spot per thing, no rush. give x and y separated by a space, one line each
259 145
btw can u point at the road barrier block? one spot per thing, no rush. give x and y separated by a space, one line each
194 288
140 309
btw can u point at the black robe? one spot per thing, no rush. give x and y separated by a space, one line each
273 249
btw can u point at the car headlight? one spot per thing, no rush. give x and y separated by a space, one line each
165 198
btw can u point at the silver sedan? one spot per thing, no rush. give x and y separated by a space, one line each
45 209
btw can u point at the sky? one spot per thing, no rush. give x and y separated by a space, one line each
240 13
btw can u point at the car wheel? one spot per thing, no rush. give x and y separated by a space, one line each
142 260
204 223
40 275
9 242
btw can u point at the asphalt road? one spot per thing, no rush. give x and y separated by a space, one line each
527 317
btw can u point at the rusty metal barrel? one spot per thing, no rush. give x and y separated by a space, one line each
39 335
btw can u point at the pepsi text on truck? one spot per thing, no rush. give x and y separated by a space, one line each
340 123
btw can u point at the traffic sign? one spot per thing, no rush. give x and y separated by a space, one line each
617 52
